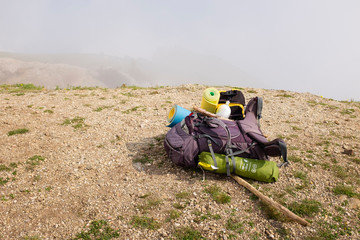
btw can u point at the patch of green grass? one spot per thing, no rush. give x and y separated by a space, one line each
31 238
283 232
237 88
160 138
187 233
21 87
173 214
37 178
13 165
301 175
134 109
179 205
99 229
131 87
331 231
271 213
80 95
296 128
341 189
144 222
217 194
4 168
325 143
356 160
77 122
99 109
202 217
348 111
49 111
3 181
252 91
143 159
34 161
18 131
339 171
128 94
325 165
284 95
235 225
83 88
182 195
293 148
293 158
305 207
151 203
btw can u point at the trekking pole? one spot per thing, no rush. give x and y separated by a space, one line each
270 202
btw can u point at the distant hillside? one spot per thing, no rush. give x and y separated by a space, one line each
165 68
61 70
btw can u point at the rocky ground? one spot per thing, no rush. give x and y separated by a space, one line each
89 162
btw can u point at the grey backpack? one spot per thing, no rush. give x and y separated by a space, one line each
198 133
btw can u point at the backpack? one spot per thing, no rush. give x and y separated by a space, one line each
198 133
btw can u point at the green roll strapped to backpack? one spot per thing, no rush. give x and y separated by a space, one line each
261 170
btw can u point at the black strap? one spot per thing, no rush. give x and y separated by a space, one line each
283 150
259 109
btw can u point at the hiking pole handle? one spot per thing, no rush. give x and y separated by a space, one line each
208 114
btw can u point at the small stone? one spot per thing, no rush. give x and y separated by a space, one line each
354 203
349 152
342 198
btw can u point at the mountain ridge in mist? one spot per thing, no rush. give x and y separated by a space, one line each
166 68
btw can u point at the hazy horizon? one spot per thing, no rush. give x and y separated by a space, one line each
303 46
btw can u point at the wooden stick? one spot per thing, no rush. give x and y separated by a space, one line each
270 202
208 114
203 111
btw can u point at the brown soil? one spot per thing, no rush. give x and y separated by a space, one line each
89 170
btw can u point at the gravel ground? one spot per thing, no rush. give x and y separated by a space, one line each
96 156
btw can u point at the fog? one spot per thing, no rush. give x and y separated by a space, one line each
303 45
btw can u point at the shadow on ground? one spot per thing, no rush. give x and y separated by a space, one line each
149 156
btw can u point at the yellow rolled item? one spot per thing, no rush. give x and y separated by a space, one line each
210 99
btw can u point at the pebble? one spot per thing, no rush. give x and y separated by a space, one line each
354 203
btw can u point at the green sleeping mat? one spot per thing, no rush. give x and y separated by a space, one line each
260 170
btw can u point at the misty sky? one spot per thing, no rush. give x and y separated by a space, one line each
299 45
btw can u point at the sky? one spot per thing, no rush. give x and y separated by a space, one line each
298 45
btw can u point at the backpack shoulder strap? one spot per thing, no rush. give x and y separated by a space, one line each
251 127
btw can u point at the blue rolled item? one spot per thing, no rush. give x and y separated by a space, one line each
176 115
